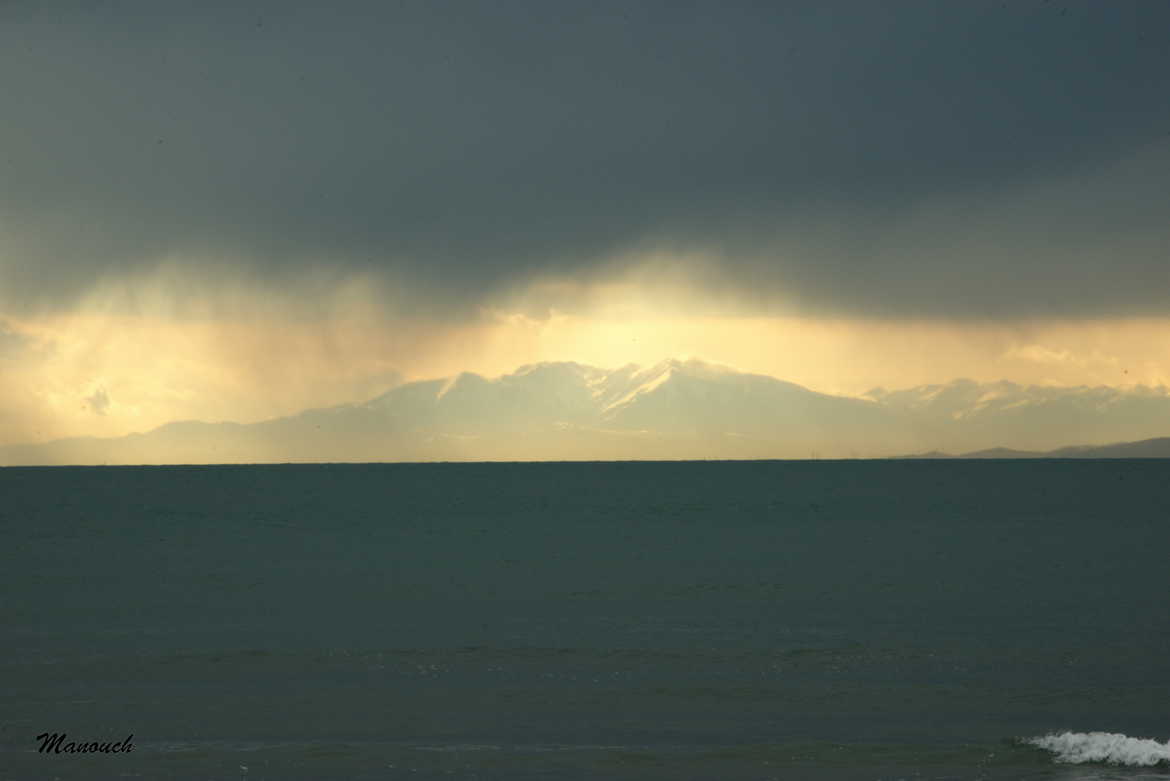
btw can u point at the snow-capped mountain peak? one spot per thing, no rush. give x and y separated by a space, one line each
676 408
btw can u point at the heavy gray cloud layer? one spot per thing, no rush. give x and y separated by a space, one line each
903 158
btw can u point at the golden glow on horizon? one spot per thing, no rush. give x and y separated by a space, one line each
255 358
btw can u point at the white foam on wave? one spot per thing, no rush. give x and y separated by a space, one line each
1109 747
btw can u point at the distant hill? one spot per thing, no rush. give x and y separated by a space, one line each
1146 448
1158 447
676 409
964 416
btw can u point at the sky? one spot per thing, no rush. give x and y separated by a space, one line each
236 211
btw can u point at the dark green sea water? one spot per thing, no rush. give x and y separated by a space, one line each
752 620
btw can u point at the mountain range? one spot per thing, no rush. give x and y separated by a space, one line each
673 409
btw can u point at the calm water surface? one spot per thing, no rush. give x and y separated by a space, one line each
751 620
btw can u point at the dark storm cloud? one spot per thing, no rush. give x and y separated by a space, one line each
850 156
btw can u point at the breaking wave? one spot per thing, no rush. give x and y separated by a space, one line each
1108 747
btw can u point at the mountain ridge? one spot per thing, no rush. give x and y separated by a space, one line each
676 408
1155 447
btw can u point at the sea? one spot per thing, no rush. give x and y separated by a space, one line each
716 621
